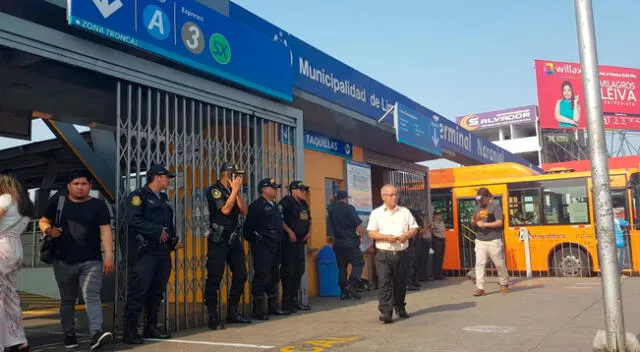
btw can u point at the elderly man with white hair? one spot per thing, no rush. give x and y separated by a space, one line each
391 226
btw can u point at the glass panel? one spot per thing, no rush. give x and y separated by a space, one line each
524 207
443 204
565 203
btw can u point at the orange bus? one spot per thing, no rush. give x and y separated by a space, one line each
554 209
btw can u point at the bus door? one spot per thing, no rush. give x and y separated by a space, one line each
467 234
619 199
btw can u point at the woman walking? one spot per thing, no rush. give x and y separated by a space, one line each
15 212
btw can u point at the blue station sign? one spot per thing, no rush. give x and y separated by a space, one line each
416 129
319 143
193 35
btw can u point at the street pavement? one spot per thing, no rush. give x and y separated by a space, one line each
539 314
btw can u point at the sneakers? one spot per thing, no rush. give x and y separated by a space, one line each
71 342
100 339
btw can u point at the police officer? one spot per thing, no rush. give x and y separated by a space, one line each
263 230
224 245
347 231
297 227
415 247
150 220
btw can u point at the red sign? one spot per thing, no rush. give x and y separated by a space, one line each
561 101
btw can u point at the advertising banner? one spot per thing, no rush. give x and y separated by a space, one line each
498 118
561 100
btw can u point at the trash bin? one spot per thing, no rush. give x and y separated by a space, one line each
328 272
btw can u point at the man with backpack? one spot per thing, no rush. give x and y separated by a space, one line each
77 225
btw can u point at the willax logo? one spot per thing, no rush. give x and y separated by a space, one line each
549 69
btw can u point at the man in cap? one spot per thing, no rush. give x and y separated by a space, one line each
348 234
151 226
297 228
488 220
224 244
263 230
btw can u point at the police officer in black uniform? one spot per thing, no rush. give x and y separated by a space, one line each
224 245
415 247
297 227
263 230
347 235
151 225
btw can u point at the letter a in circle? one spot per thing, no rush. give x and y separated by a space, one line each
156 22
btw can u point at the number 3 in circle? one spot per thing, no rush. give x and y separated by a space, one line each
192 37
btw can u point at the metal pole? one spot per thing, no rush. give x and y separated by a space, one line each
614 319
527 251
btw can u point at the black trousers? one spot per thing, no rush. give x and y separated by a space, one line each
218 256
438 257
392 279
425 271
266 263
416 250
291 270
344 257
148 282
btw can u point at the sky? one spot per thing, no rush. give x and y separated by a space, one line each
457 56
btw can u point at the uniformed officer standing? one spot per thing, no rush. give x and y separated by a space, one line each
348 233
297 227
224 245
263 230
151 224
415 247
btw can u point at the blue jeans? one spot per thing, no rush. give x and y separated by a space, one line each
622 252
71 278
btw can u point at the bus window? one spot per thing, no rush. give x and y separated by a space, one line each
443 204
565 202
524 207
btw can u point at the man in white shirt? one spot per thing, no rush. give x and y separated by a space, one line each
391 226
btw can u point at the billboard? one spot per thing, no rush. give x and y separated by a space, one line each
561 101
498 118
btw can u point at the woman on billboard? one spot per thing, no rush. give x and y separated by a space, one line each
568 109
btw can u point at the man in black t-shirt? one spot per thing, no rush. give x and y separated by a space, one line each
78 225
489 223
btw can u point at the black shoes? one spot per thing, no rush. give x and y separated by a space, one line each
100 339
153 332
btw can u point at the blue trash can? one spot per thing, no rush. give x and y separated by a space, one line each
328 272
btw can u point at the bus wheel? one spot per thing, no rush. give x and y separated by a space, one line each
571 261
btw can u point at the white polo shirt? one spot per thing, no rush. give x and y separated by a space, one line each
391 222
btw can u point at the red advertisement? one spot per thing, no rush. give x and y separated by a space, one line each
561 101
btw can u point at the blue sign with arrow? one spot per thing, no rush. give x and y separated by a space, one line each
416 129
191 34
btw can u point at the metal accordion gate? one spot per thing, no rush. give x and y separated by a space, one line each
192 138
412 185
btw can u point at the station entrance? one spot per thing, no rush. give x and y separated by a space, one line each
80 118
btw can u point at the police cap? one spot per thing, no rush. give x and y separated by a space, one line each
342 195
268 182
298 185
159 170
231 168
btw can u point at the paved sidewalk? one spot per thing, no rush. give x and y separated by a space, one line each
546 314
